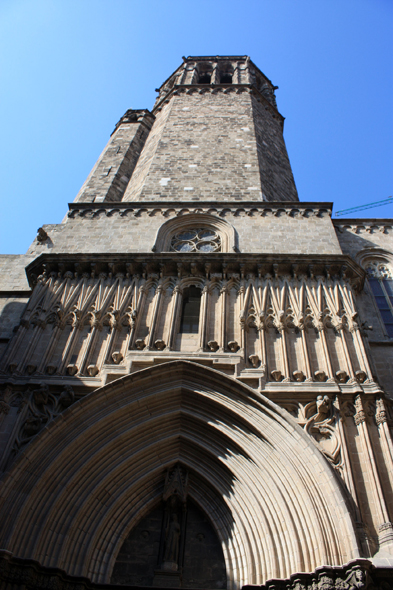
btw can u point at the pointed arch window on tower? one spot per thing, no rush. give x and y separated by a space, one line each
380 278
189 323
225 74
204 78
226 78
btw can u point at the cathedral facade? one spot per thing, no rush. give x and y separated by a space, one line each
196 368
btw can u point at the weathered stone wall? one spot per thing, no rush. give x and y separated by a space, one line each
357 235
275 170
275 228
14 294
109 178
214 144
12 272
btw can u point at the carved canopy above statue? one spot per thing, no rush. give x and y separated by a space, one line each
97 469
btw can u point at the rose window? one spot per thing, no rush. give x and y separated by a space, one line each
196 240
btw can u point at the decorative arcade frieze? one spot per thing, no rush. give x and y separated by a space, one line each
287 322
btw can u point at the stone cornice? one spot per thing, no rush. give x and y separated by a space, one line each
368 225
171 264
222 208
214 89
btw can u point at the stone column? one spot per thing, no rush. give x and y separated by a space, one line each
137 313
203 318
175 309
385 528
223 319
156 308
381 419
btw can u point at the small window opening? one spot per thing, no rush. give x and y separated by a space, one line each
190 312
204 78
226 78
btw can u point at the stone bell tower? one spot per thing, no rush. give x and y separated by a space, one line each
189 393
217 136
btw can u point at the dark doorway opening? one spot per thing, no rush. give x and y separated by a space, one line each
202 564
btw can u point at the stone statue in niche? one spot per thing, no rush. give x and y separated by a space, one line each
172 544
173 529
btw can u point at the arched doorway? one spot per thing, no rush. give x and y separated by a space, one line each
80 488
198 561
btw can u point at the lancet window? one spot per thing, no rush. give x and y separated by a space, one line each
190 312
380 277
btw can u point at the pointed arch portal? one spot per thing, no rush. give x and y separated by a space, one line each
75 494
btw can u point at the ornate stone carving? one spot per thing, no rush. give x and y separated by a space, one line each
321 425
379 269
233 346
72 369
320 376
117 357
213 345
381 414
92 370
360 415
40 406
176 484
276 375
361 376
67 397
42 235
342 376
280 313
12 367
254 360
41 395
159 344
356 575
298 376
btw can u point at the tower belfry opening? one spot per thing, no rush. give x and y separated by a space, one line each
189 392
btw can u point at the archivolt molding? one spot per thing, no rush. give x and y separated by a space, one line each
96 469
191 221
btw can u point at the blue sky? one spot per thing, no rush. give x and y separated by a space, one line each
70 68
